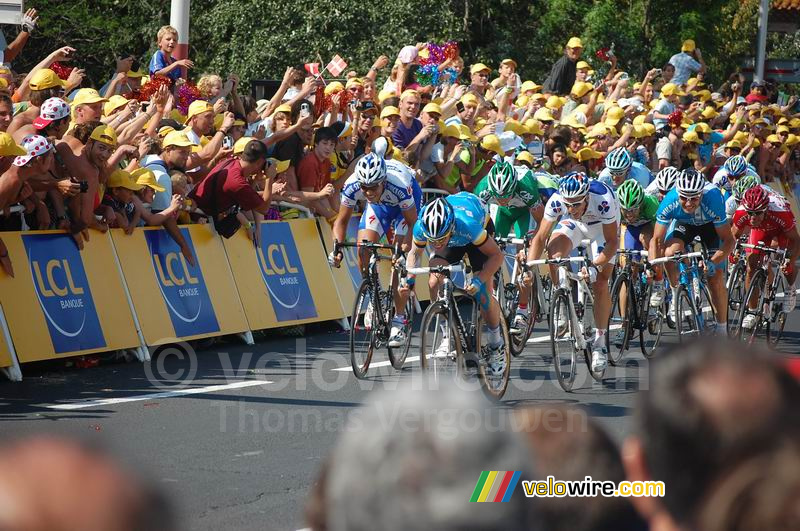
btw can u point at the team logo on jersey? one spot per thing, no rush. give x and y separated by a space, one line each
556 207
568 224
604 207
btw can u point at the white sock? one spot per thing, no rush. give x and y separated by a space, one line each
494 336
598 334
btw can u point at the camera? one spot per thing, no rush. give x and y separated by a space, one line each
305 110
658 72
84 186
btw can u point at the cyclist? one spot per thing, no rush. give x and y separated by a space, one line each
620 167
639 215
583 209
516 194
771 221
663 183
734 168
695 208
454 226
393 199
737 193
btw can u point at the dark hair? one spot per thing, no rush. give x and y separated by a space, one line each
394 101
254 151
4 98
338 127
249 103
38 97
55 124
561 135
688 441
82 132
169 122
325 133
296 108
668 65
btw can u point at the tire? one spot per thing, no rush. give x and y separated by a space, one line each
520 340
777 320
709 317
398 355
757 284
736 289
616 320
565 361
493 387
651 324
362 339
434 319
686 317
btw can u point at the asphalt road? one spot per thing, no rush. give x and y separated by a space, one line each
243 455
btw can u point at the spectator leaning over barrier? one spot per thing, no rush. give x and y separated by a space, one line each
562 75
314 175
687 62
87 106
226 189
13 180
144 197
52 122
199 123
120 189
44 84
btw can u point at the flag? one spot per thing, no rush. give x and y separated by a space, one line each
336 66
312 69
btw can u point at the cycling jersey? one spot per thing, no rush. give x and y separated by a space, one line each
710 210
637 172
652 188
720 178
470 222
778 220
647 212
547 184
602 206
731 204
398 189
525 196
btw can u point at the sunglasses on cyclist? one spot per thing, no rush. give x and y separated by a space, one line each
372 188
438 242
630 211
755 213
687 199
574 205
617 173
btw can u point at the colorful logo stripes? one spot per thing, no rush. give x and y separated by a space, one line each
494 486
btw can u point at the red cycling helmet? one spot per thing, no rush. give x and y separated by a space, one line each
756 199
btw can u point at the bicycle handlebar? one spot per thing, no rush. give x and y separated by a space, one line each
557 261
633 252
454 268
510 241
677 256
764 248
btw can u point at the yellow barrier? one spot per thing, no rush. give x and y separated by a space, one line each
286 279
62 301
173 299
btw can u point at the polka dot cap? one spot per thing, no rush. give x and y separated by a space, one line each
35 145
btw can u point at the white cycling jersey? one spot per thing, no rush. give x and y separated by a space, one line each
398 189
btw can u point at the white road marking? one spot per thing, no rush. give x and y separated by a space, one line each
154 396
379 364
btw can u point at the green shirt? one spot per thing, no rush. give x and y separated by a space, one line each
525 196
647 212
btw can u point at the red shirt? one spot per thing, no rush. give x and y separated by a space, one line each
778 220
313 172
228 186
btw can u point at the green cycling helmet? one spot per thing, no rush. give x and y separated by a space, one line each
746 182
502 180
630 194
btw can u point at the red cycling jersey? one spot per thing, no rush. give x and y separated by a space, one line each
778 220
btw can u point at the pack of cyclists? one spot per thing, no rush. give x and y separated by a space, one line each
626 205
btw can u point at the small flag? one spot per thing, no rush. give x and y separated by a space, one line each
494 486
312 69
336 66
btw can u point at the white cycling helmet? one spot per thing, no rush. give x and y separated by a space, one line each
574 185
370 170
736 166
437 219
690 183
665 179
619 160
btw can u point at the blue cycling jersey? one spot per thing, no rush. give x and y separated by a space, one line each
470 222
711 209
721 176
638 172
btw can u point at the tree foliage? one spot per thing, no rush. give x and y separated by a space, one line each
258 38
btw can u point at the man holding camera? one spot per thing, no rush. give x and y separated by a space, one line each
687 62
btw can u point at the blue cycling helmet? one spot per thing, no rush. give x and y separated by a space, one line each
736 166
619 160
438 218
573 185
370 170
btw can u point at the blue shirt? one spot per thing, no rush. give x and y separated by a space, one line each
638 172
403 136
705 149
711 209
470 222
685 65
159 61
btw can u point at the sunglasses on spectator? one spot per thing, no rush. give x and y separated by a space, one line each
483 74
692 199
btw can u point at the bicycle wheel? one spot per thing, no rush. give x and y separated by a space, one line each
398 355
777 321
710 318
440 349
493 386
562 340
757 284
651 322
520 339
362 331
620 324
736 288
685 316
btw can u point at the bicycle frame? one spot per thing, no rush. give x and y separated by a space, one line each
690 277
565 278
448 293
774 259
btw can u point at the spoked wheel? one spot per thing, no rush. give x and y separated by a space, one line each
706 306
652 323
685 317
562 340
620 324
777 320
494 385
520 338
597 376
756 315
440 350
362 331
398 355
736 292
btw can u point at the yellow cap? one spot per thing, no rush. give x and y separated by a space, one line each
702 95
45 79
147 178
583 65
353 82
432 108
688 46
649 129
543 115
555 102
515 127
135 73
280 165
114 102
671 89
238 147
525 156
792 140
385 94
709 113
580 88
573 123
734 143
176 139
451 131
574 42
691 136
492 143
533 127
614 115
465 134
198 107
702 127
774 139
283 107
529 85
164 131
587 153
104 134
479 67
389 111
639 119
782 129
123 179
509 62
469 100
333 87
9 148
87 96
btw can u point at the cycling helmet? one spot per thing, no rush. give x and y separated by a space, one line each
665 179
573 185
736 166
502 180
438 219
618 160
371 170
756 199
744 184
690 183
630 194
